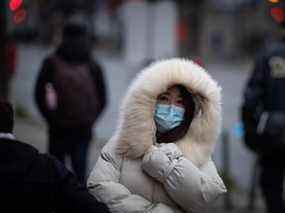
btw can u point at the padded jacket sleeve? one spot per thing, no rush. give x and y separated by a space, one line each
192 188
104 184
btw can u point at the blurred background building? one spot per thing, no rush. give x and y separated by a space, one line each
236 28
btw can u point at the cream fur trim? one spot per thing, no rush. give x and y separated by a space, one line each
136 128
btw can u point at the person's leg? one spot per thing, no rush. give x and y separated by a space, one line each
56 146
271 180
79 152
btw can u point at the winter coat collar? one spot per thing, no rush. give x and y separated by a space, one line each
8 136
136 128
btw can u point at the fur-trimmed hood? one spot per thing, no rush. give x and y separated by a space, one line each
136 128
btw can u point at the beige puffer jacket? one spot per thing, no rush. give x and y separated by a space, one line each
134 174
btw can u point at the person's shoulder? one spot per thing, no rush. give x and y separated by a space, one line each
275 48
45 168
23 147
22 153
42 164
36 166
50 58
48 64
25 157
54 169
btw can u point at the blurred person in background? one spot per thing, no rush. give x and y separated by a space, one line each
263 115
34 182
71 94
159 159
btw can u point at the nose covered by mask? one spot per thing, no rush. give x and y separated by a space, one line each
168 117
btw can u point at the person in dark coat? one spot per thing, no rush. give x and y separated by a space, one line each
263 115
34 182
71 94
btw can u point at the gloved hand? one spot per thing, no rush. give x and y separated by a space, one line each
51 97
159 160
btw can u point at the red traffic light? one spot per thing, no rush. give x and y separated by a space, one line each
277 14
20 16
15 4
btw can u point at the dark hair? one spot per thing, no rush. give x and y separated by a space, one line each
74 30
76 45
180 131
6 117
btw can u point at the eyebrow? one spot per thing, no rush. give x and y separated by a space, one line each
165 93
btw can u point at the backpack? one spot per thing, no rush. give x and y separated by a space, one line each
77 98
264 132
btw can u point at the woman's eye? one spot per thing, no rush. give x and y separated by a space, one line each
163 98
179 101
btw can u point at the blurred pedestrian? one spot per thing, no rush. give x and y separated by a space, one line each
159 159
34 182
70 93
263 115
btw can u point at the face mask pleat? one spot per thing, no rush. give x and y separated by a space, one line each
168 117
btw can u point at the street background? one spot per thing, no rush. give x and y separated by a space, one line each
231 77
223 36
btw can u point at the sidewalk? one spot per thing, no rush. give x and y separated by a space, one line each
33 132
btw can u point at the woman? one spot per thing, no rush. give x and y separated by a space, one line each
159 159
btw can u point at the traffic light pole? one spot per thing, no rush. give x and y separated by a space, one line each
3 37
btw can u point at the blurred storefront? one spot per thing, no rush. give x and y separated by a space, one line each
144 30
149 30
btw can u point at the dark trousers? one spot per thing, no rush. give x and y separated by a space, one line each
271 181
73 143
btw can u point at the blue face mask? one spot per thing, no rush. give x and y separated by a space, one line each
168 117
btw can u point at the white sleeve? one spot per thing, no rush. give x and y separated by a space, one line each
104 184
192 188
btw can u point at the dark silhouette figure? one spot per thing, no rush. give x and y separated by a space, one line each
263 115
70 93
34 182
